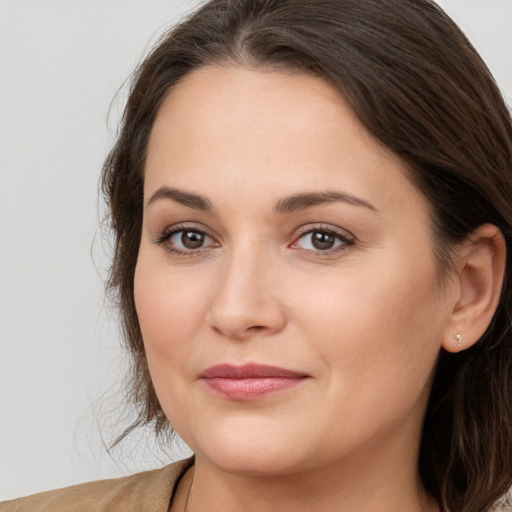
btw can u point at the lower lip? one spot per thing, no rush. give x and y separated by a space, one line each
252 388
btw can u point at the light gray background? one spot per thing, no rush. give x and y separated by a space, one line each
61 64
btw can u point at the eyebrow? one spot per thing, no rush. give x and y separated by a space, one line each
286 205
185 198
307 200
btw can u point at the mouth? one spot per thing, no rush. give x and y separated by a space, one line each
250 382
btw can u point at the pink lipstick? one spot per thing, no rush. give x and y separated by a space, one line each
250 381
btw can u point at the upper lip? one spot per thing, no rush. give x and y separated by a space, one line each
249 371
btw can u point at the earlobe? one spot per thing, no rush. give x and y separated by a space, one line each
480 274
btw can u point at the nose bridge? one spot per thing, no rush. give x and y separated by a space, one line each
245 301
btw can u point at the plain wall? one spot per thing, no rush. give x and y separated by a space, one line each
61 64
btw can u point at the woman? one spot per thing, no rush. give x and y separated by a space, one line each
311 203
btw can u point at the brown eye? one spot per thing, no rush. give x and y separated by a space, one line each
322 241
183 241
192 239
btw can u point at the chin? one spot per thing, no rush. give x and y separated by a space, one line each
254 462
250 449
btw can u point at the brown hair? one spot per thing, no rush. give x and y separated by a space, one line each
419 87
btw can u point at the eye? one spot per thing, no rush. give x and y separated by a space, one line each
323 240
185 240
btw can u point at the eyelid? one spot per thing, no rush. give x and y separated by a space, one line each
308 228
345 236
170 231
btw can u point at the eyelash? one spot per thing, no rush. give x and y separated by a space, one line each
345 239
168 234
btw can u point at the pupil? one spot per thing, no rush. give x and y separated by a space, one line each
322 240
192 239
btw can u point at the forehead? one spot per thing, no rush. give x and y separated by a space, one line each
212 103
261 129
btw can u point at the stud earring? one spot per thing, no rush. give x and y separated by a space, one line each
458 337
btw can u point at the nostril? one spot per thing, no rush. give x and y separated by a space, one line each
256 328
243 319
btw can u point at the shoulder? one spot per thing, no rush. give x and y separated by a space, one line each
150 491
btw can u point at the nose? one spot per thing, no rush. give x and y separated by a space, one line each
245 302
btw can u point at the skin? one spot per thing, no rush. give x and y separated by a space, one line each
365 321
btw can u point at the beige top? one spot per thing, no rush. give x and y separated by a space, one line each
150 491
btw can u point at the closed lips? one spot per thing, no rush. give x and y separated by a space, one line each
250 371
250 382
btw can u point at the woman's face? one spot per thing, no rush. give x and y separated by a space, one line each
286 286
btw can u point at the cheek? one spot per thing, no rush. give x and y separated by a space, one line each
375 329
169 309
367 301
171 312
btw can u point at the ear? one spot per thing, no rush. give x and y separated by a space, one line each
479 276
